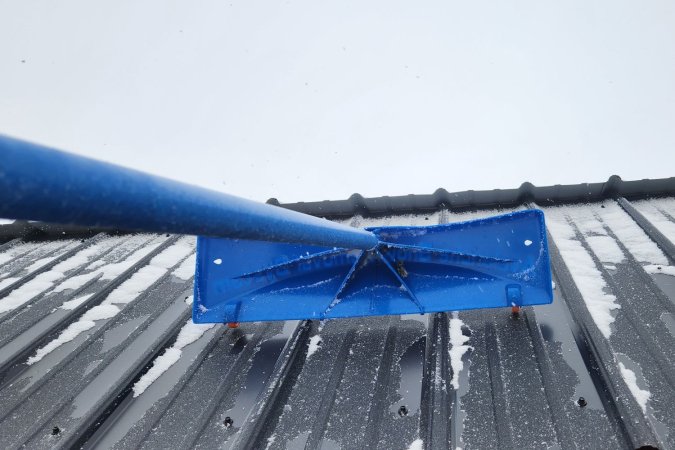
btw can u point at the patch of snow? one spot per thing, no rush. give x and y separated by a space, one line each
187 335
29 290
218 261
314 345
72 304
654 268
14 251
417 444
270 441
605 248
651 209
136 284
75 282
39 263
641 395
190 299
123 294
109 271
527 242
85 323
7 281
187 268
582 268
113 270
6 221
96 264
553 284
629 232
457 348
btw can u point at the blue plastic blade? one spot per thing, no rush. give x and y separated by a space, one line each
494 262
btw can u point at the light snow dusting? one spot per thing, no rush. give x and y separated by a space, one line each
457 348
641 395
125 293
586 276
187 335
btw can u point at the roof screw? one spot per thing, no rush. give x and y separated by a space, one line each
228 422
232 324
602 206
56 431
582 402
515 311
403 411
401 269
659 267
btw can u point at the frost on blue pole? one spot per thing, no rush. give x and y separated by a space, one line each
261 262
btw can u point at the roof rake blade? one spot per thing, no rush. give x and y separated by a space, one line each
261 262
494 262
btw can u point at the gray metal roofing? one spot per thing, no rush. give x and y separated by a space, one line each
97 350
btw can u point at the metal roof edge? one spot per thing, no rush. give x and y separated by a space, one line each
496 198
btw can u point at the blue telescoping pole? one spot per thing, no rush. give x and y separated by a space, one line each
39 183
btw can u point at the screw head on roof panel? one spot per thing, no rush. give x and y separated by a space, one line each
228 422
56 431
582 402
403 411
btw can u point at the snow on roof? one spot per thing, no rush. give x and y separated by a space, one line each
97 348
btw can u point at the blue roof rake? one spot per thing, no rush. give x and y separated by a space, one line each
261 262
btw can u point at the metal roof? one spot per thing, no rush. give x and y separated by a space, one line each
97 349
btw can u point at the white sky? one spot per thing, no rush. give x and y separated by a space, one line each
314 100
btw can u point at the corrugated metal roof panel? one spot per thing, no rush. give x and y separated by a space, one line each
97 350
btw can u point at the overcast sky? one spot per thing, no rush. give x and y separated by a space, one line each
316 100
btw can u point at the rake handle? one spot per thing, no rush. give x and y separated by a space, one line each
39 183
